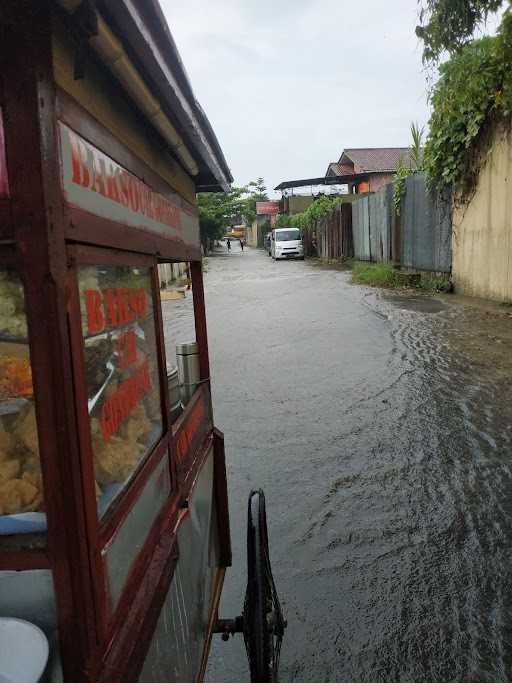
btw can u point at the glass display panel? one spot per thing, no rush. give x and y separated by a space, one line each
129 541
180 634
179 334
21 491
121 365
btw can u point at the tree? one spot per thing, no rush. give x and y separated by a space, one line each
448 25
216 209
256 192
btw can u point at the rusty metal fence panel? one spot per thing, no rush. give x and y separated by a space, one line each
361 229
426 225
380 216
347 241
322 238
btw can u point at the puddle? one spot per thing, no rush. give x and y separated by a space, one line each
421 304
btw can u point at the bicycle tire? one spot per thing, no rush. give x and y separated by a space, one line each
263 620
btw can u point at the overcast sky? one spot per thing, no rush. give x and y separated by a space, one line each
287 84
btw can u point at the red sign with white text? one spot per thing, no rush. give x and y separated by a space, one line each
267 208
96 183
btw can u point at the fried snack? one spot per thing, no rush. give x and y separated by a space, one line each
6 445
138 426
18 495
9 469
26 431
115 461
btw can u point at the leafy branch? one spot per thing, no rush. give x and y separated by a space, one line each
406 168
448 25
473 92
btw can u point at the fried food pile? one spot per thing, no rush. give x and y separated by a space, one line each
21 487
116 460
20 473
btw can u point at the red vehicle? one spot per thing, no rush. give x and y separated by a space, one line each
114 527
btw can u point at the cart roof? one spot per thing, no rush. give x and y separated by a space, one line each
141 28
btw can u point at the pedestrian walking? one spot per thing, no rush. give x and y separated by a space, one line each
229 244
242 244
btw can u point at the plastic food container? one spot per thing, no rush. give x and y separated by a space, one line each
23 651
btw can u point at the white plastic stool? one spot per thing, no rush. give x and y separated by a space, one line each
23 651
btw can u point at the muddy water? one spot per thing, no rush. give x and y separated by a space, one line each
380 429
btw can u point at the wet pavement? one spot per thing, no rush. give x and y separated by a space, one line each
379 426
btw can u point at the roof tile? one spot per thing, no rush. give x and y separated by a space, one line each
375 158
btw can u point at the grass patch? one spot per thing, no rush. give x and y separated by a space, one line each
384 275
374 274
436 283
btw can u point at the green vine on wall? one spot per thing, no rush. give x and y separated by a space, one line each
407 167
474 91
321 208
399 186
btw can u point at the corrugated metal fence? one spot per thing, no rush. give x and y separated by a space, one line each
368 229
420 239
332 237
361 229
426 228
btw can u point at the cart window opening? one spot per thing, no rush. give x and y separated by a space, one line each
21 491
121 366
179 334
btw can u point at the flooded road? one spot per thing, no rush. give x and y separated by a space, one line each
380 430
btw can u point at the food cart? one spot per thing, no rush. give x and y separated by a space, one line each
114 528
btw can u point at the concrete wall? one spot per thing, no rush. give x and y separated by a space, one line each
482 230
252 234
257 230
172 273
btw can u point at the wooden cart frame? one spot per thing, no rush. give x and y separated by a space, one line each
46 238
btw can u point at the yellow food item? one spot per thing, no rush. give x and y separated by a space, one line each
138 426
9 469
18 495
116 460
6 445
20 470
27 431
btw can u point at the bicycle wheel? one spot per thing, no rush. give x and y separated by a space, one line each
262 617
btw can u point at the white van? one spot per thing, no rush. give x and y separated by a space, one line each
286 243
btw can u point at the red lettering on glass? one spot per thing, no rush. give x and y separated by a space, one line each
95 317
117 408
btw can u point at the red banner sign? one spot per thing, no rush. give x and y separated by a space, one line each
267 208
195 425
95 182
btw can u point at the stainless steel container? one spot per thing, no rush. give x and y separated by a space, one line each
173 385
187 356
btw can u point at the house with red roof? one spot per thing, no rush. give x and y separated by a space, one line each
372 167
